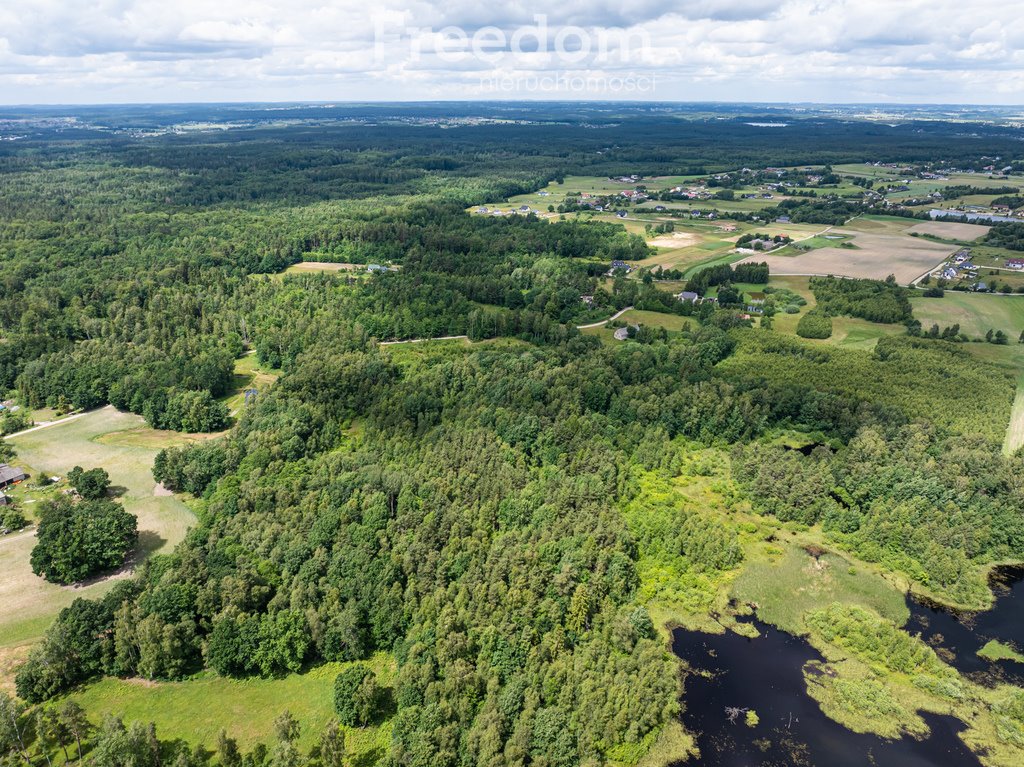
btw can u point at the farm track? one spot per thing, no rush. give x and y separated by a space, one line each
46 425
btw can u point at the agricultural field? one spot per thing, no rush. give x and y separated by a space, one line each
976 313
123 445
875 254
950 230
305 267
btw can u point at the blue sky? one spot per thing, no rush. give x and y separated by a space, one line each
896 51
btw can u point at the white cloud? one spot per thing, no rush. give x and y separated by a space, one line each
823 50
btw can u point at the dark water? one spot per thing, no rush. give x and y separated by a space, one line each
765 674
957 637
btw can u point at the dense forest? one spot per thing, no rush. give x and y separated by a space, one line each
475 510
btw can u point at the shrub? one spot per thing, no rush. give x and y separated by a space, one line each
11 519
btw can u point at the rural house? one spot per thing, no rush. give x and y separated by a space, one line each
10 475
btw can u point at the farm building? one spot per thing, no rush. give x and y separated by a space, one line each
1015 263
688 295
9 475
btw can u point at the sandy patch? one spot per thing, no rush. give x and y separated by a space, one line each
159 490
675 240
951 230
324 266
876 256
10 659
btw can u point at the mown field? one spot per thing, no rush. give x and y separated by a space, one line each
125 447
671 322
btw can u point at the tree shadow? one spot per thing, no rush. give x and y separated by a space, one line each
368 758
116 491
148 542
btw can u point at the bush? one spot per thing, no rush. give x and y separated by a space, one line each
814 325
11 519
358 698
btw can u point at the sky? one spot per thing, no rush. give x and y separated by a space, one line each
831 51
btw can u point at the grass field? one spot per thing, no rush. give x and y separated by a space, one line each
788 583
847 332
976 313
196 710
125 447
671 322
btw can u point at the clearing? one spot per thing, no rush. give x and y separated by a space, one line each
196 710
322 266
125 447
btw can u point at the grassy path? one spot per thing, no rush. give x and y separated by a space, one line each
1015 431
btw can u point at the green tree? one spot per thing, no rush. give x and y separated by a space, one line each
227 750
76 540
15 729
358 698
120 746
332 746
73 721
91 484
